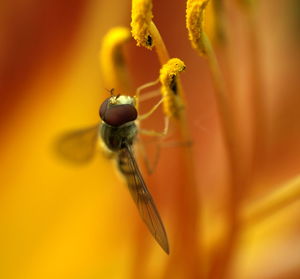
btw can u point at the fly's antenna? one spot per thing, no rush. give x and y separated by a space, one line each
110 91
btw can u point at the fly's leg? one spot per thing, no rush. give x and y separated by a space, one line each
150 165
145 86
155 133
154 108
160 136
147 114
159 145
147 96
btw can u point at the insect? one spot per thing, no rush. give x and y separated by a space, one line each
118 131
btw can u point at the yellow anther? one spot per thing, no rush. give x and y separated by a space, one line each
111 59
141 18
170 88
195 13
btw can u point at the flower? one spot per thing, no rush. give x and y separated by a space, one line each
59 221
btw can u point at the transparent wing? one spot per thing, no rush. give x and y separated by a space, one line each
78 146
142 197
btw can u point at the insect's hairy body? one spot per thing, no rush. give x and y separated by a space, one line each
116 137
119 131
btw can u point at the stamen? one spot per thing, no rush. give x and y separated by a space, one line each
111 59
195 13
173 108
141 18
170 87
200 41
144 30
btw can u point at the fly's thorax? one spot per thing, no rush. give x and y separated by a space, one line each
115 137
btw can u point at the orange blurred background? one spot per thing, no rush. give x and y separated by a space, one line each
61 221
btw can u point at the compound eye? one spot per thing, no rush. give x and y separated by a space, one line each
117 115
103 108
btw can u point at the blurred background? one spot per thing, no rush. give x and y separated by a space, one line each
62 221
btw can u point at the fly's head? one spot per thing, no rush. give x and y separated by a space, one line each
118 110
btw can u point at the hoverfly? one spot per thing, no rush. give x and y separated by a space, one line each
118 131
